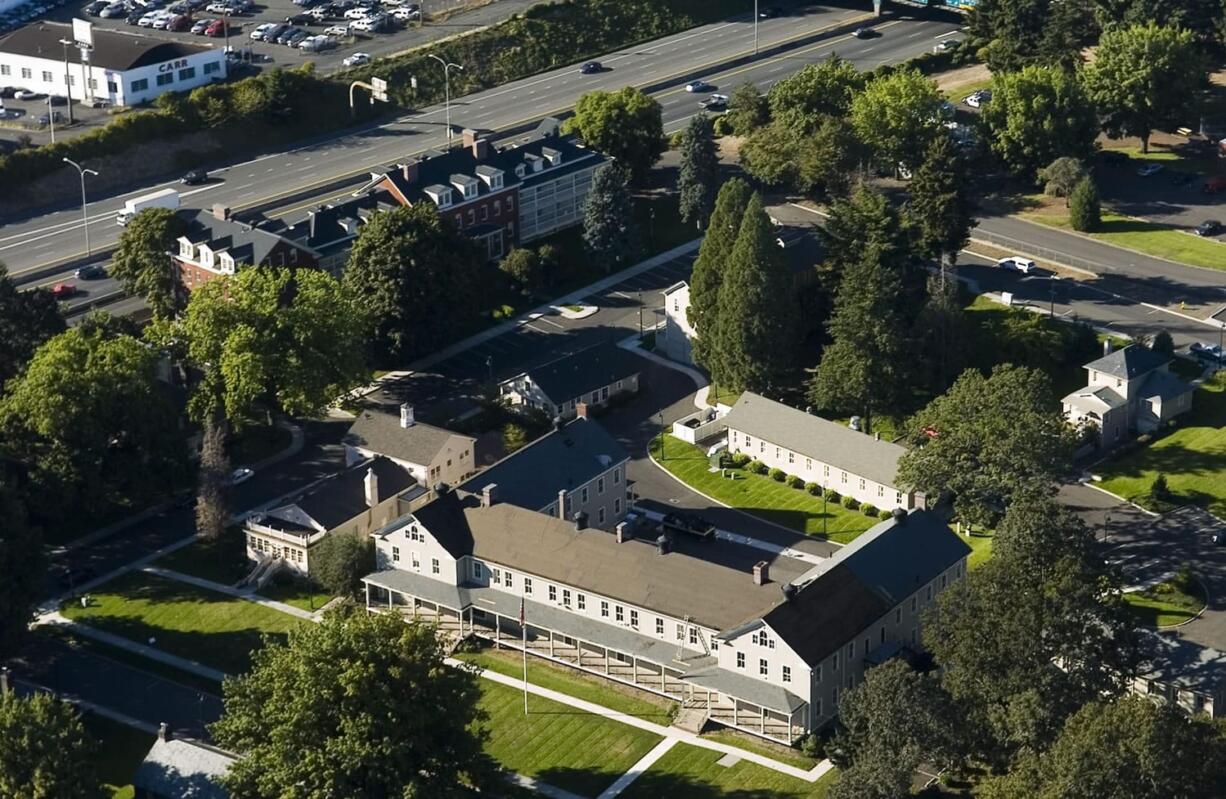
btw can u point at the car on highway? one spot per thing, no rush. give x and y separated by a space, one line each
195 177
62 291
590 68
1211 186
357 60
1210 227
1146 170
698 86
977 98
864 33
716 102
90 272
241 475
1017 263
770 12
945 45
25 94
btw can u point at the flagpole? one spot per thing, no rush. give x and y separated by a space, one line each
524 631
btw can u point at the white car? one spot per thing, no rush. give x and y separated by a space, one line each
219 8
1017 263
977 98
313 44
147 20
337 30
371 24
319 14
162 23
946 45
241 475
257 35
26 94
357 60
357 13
406 14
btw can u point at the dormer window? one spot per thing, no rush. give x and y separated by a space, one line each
554 157
520 170
227 263
491 175
186 248
206 255
466 185
441 195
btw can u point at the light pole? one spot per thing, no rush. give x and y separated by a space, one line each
82 171
51 118
447 67
662 438
489 367
67 79
755 27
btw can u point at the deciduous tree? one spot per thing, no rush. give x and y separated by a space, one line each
609 231
27 319
418 277
897 116
748 109
987 438
1145 78
805 98
341 710
698 180
1038 115
1013 34
143 264
214 480
1061 176
626 125
44 750
340 561
812 163
22 567
524 267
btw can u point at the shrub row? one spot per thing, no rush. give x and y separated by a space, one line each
742 460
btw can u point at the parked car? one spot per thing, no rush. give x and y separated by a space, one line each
1017 263
114 11
216 28
313 44
181 23
261 31
716 102
90 272
95 8
300 19
1145 170
218 8
372 24
134 16
62 291
945 45
590 68
698 86
7 92
357 60
357 13
241 475
46 119
319 14
1208 352
977 98
297 37
337 30
1210 227
96 102
406 14
1212 186
57 99
201 25
194 177
25 94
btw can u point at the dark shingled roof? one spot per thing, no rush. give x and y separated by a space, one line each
341 497
863 580
245 243
112 49
1132 361
574 375
419 443
565 458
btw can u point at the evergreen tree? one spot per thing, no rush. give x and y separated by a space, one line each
609 231
696 184
709 268
757 324
940 207
865 221
340 562
1084 209
942 334
863 369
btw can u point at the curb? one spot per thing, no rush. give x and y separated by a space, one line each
631 344
1122 499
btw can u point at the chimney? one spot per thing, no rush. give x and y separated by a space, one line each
562 503
163 732
481 149
900 516
488 495
1107 346
406 416
4 680
623 533
761 573
789 591
580 521
371 484
581 410
408 171
221 212
468 136
663 544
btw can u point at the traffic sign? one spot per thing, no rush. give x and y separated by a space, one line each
379 88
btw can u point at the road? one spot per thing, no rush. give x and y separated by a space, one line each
314 172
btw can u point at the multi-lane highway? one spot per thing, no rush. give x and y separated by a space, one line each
719 53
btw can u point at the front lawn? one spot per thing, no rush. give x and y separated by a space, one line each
120 749
752 743
690 772
568 748
758 494
1151 238
296 592
223 560
210 628
1193 457
1171 602
981 549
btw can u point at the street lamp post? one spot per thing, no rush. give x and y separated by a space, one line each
755 27
447 67
663 438
67 79
82 171
489 366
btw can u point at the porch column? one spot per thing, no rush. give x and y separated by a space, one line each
634 670
763 719
367 586
551 643
389 599
606 661
497 631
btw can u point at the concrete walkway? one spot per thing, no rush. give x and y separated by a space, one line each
120 642
700 380
811 775
645 762
237 593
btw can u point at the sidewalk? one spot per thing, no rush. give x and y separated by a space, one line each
246 595
120 642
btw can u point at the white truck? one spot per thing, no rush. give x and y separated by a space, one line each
164 198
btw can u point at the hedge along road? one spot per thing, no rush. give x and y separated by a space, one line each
34 247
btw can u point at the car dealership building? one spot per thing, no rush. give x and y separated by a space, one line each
120 68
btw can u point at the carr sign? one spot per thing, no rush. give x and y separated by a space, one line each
379 88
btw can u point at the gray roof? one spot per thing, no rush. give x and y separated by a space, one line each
1096 398
335 500
862 581
710 581
572 376
1186 664
246 243
815 437
419 443
1130 362
117 50
183 769
1164 385
565 458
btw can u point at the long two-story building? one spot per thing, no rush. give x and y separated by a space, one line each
755 640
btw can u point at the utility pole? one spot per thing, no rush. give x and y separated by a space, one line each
447 67
67 79
84 207
51 118
755 27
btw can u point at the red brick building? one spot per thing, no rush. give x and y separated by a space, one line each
215 245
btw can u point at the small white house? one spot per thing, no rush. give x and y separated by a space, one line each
593 377
431 454
1128 391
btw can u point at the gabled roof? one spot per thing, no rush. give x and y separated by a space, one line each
815 437
419 444
331 502
1164 385
571 376
1132 361
1096 398
117 50
565 458
864 580
184 769
246 244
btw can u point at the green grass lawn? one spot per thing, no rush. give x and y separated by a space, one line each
1193 457
752 743
298 593
573 750
1168 603
223 561
1170 158
758 494
558 678
210 628
981 549
1161 241
120 749
690 772
719 395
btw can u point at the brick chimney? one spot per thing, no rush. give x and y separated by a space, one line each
562 503
407 418
489 495
408 171
761 573
581 410
221 212
371 484
468 136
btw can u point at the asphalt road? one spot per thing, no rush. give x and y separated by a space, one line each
33 245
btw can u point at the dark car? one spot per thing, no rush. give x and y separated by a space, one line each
95 8
591 68
770 12
1113 157
7 91
57 99
864 33
1182 178
1210 227
90 272
289 33
301 19
180 23
194 177
135 16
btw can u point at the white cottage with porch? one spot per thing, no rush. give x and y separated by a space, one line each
751 639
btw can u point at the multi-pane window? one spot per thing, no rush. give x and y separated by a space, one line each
395 554
583 494
617 475
740 660
604 609
476 570
434 566
694 636
416 562
509 580
619 613
553 593
599 485
763 668
566 597
527 585
634 618
659 626
680 632
496 576
582 601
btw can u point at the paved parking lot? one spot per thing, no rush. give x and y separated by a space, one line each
1172 196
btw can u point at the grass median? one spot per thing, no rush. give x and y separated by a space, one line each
690 772
1150 238
759 495
1170 602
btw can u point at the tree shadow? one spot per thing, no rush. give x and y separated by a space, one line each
652 785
